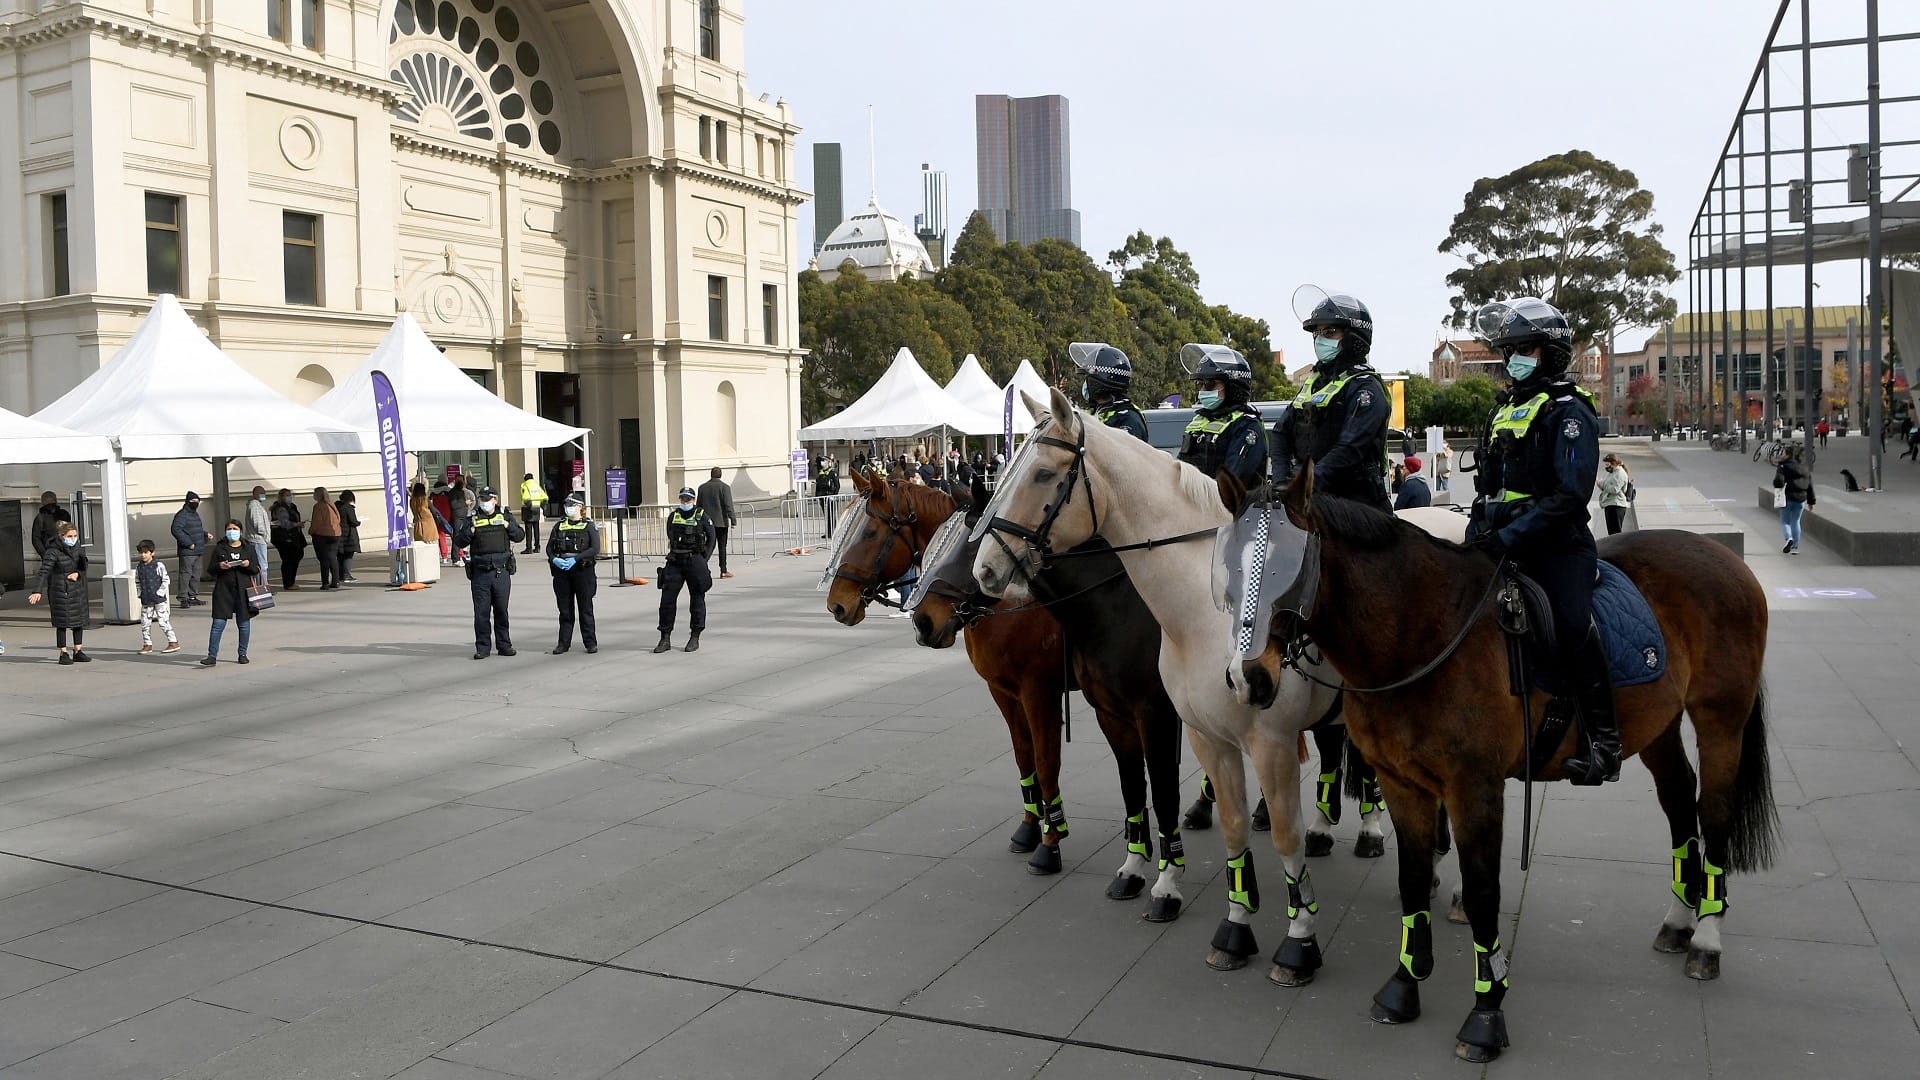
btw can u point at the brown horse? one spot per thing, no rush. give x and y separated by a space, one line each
1019 654
1455 735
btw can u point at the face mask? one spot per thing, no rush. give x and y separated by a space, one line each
69 540
1085 394
686 506
233 534
1208 398
573 512
193 506
486 506
1521 366
262 497
1325 349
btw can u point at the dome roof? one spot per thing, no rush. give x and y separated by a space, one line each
876 240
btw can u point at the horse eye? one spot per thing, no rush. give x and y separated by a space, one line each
1041 476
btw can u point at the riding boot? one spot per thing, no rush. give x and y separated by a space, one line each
1594 678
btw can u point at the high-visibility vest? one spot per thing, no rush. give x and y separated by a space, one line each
531 493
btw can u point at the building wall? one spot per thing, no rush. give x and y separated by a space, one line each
579 245
1024 148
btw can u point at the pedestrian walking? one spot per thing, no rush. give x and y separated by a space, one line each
460 511
442 506
1913 441
190 537
1443 466
1821 429
1396 478
1613 483
62 582
716 498
259 529
1413 487
47 521
234 569
573 546
289 538
690 540
533 500
150 577
1794 481
349 534
488 538
325 527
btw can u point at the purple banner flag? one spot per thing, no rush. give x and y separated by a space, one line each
393 461
1006 445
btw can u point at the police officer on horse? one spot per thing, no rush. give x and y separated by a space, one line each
573 546
690 539
1338 423
489 536
1533 482
1107 377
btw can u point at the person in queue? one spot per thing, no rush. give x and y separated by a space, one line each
259 529
190 539
689 541
62 582
573 546
1106 379
488 538
1532 488
1338 423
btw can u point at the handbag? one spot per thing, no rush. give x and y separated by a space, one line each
259 596
1779 498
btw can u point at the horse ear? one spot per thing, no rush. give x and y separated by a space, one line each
1233 493
1035 409
1299 498
1057 401
860 480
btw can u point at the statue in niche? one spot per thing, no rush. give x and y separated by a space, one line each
593 314
519 303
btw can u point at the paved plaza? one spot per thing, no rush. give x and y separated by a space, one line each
366 855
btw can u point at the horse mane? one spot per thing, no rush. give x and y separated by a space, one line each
918 498
1197 488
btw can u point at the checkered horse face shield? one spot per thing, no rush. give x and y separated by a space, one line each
845 532
1260 570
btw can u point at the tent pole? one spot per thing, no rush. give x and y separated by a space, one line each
113 515
222 489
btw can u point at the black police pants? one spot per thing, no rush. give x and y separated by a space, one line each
1564 569
491 587
692 573
573 590
530 520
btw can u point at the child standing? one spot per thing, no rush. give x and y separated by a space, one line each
152 578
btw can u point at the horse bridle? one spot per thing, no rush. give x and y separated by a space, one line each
898 528
1040 537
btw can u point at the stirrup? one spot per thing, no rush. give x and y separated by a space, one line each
1598 767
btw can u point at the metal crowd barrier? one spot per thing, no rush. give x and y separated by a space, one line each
805 521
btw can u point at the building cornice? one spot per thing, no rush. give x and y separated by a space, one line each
215 48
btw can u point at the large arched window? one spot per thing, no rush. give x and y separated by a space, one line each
470 69
726 419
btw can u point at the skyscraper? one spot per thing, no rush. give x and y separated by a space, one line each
930 224
1026 172
829 195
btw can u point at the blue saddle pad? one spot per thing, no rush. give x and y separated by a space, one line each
1636 649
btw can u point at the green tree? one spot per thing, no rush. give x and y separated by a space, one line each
1646 397
1572 229
1466 404
852 328
1141 248
976 242
1422 394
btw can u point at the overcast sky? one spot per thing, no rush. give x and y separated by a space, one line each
1281 142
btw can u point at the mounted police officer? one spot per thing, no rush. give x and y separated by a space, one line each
1108 375
690 540
489 536
1225 432
1533 483
573 546
1338 423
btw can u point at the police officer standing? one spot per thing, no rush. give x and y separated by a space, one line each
1338 423
1532 487
1107 377
690 540
533 498
489 536
573 546
1225 432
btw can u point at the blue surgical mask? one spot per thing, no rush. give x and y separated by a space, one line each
1085 394
1521 366
1207 399
233 534
1325 349
69 540
686 506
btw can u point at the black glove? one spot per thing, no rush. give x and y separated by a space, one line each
1489 541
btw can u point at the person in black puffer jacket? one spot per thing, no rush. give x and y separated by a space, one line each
1795 480
63 583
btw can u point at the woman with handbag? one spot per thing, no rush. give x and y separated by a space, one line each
232 565
1793 493
349 534
1614 482
63 584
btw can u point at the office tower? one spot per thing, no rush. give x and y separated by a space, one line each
930 225
1026 182
829 201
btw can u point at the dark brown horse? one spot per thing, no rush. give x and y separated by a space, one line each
1019 654
1456 734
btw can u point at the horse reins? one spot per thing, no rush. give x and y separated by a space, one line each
1296 646
898 529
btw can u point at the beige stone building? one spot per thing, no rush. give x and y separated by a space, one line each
582 201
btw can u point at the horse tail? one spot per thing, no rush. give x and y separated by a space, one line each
1755 833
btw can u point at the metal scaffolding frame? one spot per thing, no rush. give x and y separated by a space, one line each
1795 215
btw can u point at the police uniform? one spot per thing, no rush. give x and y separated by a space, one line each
1123 415
573 546
489 540
1338 425
1107 378
532 498
689 540
1228 436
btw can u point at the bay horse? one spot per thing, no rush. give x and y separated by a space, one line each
1449 731
1020 655
1115 651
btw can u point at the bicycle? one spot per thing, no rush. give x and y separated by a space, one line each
1765 448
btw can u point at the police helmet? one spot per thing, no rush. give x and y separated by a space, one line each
1104 366
1510 325
1216 362
1320 310
488 493
579 497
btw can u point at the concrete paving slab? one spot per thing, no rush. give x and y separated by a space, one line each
751 1037
328 861
153 1044
1855 1024
587 1028
126 929
1083 1063
902 1047
711 810
17 973
324 973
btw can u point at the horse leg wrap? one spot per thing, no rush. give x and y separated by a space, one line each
1300 895
1416 944
1489 975
1026 835
1030 794
1137 834
1298 957
1206 788
1370 797
1326 797
1056 818
1713 892
1687 873
1172 851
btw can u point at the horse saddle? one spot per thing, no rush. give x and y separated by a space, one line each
1636 649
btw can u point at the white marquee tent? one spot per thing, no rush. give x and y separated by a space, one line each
905 402
1026 381
972 386
441 408
26 441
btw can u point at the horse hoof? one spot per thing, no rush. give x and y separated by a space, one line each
1262 821
1026 837
1369 847
1673 939
1234 940
1163 909
1482 1037
1398 1002
1125 887
1318 844
1457 913
1046 860
1296 962
1478 1055
1225 961
1199 816
1703 965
